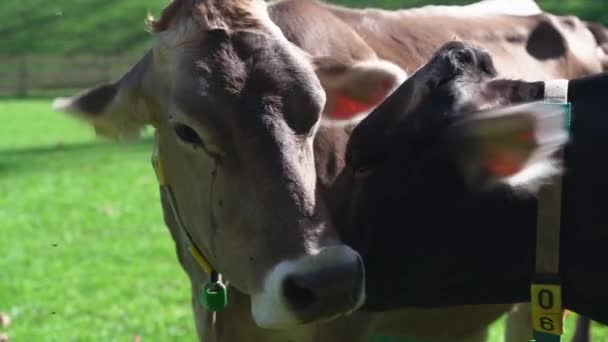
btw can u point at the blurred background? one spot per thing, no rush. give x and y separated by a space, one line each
84 254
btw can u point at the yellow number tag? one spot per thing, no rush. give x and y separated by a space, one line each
547 310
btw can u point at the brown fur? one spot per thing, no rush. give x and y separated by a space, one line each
409 37
232 14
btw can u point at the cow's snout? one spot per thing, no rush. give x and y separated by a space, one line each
330 288
311 288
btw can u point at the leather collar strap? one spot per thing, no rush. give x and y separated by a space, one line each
213 295
546 296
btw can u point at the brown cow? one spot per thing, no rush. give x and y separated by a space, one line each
230 87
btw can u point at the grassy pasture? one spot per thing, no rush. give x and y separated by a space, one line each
67 27
84 253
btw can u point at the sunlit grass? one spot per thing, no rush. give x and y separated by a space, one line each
85 255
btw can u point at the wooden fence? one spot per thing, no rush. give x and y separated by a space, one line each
25 74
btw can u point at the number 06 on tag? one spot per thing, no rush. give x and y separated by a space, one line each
547 310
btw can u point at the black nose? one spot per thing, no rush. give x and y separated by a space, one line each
328 288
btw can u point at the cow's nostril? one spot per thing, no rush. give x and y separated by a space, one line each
298 294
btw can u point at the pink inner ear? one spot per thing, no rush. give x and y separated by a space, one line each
526 137
346 107
503 164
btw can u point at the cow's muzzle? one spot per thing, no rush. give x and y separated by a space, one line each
312 288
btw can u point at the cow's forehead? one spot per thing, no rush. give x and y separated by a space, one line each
183 19
214 36
242 74
219 74
215 74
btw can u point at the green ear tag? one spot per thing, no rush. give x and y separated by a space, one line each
214 296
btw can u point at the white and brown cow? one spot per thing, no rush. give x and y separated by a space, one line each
237 89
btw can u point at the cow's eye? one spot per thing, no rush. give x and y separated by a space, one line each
188 135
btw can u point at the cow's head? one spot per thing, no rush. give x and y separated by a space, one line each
422 165
440 139
236 108
446 117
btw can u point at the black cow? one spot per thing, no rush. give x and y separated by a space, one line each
434 198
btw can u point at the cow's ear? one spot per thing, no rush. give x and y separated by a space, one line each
116 110
515 145
355 89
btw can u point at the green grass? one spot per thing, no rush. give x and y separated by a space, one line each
84 252
63 27
75 26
